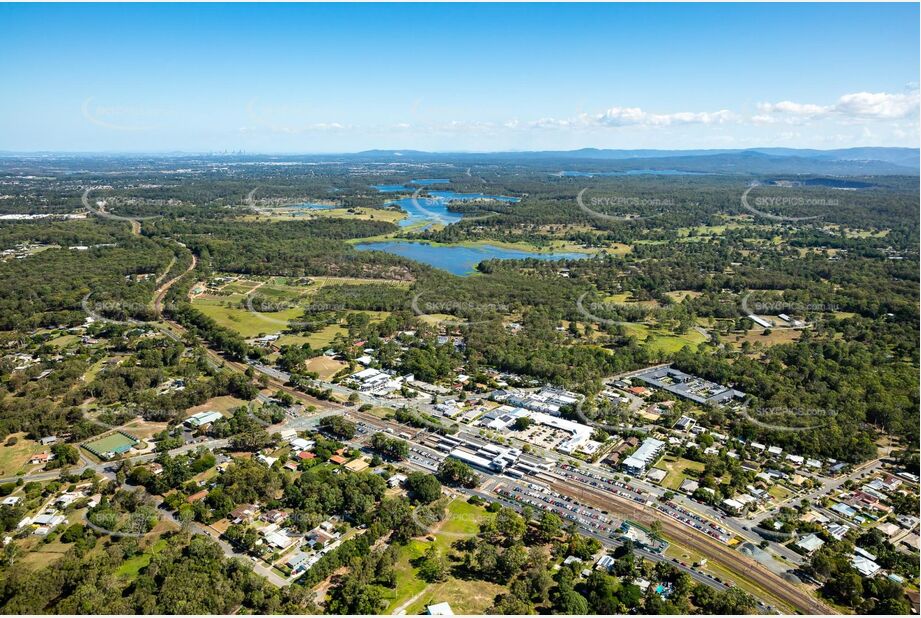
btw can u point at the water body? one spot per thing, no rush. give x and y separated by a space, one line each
389 188
459 260
451 195
431 181
313 206
434 208
426 210
572 174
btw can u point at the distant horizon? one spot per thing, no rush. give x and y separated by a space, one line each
395 151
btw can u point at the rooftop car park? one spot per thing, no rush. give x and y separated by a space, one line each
688 386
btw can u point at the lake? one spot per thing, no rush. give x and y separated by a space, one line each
431 181
389 188
434 208
451 195
457 259
313 206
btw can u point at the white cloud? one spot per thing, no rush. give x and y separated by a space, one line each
634 116
630 117
880 105
795 109
864 105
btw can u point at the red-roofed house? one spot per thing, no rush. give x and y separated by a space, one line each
197 496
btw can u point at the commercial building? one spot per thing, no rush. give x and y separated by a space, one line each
548 400
689 387
580 435
203 418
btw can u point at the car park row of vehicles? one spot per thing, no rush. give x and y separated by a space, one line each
564 506
670 508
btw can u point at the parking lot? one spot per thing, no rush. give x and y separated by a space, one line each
542 436
670 508
567 508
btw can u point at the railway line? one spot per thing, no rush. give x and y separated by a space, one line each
783 590
786 592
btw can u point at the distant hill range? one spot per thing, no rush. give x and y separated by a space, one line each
844 162
760 162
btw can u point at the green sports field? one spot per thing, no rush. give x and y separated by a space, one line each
117 443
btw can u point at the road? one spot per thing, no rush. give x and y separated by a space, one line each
198 528
101 467
789 593
736 562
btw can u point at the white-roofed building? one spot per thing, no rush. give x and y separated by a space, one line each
810 543
439 609
645 455
864 565
203 418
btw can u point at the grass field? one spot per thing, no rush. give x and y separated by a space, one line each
224 403
228 311
15 459
94 370
627 298
780 492
318 340
661 340
680 295
466 597
325 367
142 429
248 324
675 468
115 442
777 336
375 214
131 568
43 555
64 341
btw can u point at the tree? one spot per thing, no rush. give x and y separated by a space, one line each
65 455
510 524
434 566
338 427
456 473
392 448
73 533
511 605
846 588
423 488
522 423
601 592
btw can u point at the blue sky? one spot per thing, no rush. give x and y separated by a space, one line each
337 78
